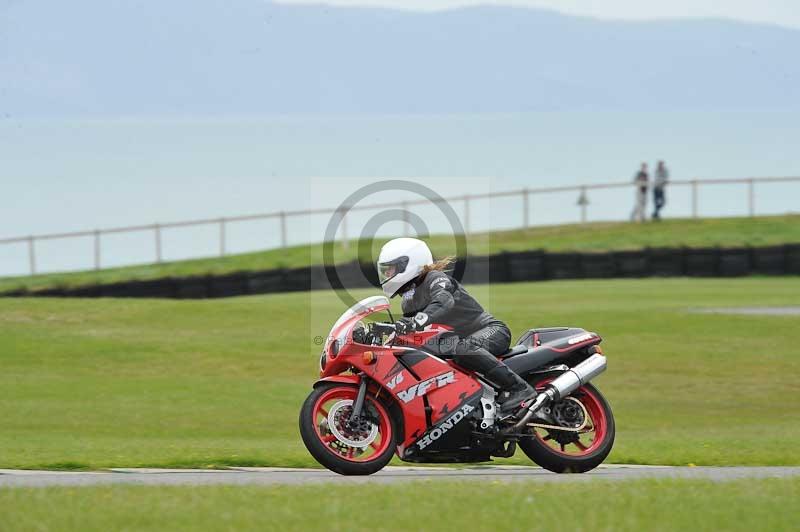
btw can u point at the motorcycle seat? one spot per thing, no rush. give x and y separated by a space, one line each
516 350
548 335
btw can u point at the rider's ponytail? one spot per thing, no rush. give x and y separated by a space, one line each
441 265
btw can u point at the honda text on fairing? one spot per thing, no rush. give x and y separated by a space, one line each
381 393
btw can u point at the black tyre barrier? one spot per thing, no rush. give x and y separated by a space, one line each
599 265
793 260
702 262
477 270
561 266
526 264
734 262
506 267
632 264
666 262
769 260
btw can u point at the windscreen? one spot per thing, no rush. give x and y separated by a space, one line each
362 308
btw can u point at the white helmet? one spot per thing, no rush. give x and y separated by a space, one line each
400 261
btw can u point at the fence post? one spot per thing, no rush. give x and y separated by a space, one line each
404 207
31 255
283 229
345 241
222 237
157 232
466 215
751 197
525 206
694 198
96 249
583 201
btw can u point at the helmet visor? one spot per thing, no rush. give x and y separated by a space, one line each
393 268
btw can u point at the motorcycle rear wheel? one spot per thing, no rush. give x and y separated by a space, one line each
340 448
564 452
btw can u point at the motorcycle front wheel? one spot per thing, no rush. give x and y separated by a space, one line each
574 452
336 443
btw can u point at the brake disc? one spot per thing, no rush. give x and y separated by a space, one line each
339 415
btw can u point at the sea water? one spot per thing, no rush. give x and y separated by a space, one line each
80 174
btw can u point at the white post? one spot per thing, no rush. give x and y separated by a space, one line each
31 255
751 197
345 241
222 237
466 215
157 230
284 239
525 208
583 201
694 198
96 249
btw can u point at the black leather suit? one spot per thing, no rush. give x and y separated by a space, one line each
479 336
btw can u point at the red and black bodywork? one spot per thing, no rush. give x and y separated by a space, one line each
426 391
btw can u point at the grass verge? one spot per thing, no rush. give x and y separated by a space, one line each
152 383
637 505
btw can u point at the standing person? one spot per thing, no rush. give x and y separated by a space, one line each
659 184
640 180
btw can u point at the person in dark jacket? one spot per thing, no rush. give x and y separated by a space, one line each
659 186
406 267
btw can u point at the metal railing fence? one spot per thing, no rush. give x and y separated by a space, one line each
465 200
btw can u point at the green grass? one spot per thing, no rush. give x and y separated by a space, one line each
727 232
101 382
638 505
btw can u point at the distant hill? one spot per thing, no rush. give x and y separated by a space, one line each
128 57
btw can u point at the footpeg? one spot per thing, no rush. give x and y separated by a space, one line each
514 404
542 400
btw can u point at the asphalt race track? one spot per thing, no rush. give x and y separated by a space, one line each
276 475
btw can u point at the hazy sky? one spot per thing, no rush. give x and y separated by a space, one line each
784 12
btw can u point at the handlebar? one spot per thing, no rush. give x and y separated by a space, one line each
383 328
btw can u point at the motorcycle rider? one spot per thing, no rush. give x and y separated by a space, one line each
430 295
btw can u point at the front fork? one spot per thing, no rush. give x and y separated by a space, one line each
358 406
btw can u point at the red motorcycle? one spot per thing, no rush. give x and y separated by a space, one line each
381 393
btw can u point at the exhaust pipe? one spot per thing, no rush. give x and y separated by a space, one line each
571 380
565 384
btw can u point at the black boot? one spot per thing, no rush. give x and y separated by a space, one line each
514 391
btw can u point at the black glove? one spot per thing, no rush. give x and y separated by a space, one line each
408 325
405 326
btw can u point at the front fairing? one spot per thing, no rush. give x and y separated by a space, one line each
340 336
